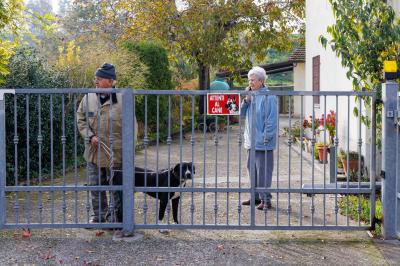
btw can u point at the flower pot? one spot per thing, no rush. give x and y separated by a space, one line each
353 166
323 153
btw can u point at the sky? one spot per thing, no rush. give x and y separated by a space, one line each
55 5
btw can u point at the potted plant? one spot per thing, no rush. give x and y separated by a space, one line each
322 150
350 160
310 128
339 162
330 122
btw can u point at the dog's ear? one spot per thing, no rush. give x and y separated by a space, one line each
177 169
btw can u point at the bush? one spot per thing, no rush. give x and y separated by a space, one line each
27 70
158 77
365 209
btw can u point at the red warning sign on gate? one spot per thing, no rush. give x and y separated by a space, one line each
223 104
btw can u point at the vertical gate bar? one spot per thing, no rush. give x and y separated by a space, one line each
87 141
111 206
3 161
301 158
128 159
99 158
130 189
373 162
239 138
75 159
28 179
265 167
216 170
397 176
277 161
389 197
145 143
227 170
204 158
312 208
52 157
336 151
347 162
40 142
325 159
169 142
290 141
16 140
359 143
253 180
180 154
157 154
63 142
192 143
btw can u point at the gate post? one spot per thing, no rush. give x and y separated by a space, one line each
2 159
128 143
389 158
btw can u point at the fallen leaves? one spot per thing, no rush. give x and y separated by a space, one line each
47 256
99 233
26 233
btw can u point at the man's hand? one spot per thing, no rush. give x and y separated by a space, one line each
94 141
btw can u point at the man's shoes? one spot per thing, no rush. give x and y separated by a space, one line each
247 202
263 205
96 220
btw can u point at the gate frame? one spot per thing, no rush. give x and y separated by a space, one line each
390 197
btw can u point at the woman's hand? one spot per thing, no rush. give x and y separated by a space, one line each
248 97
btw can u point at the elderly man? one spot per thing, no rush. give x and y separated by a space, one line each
263 135
100 124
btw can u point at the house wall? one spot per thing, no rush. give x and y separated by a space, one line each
396 5
333 78
299 85
332 75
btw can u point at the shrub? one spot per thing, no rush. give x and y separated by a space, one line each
158 77
27 70
365 209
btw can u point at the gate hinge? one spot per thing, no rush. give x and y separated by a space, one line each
382 174
4 91
396 117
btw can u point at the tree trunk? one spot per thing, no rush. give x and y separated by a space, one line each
204 83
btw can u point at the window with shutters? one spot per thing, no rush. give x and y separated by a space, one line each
316 77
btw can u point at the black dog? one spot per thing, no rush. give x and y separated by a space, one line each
179 175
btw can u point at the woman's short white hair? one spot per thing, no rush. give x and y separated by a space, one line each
259 72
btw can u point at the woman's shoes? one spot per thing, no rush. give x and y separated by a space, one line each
247 202
263 205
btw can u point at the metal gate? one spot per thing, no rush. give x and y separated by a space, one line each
44 182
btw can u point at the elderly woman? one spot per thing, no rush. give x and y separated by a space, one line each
263 137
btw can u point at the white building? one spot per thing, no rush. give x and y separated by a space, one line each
324 72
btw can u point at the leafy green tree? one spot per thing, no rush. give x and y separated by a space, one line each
10 14
223 34
365 34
